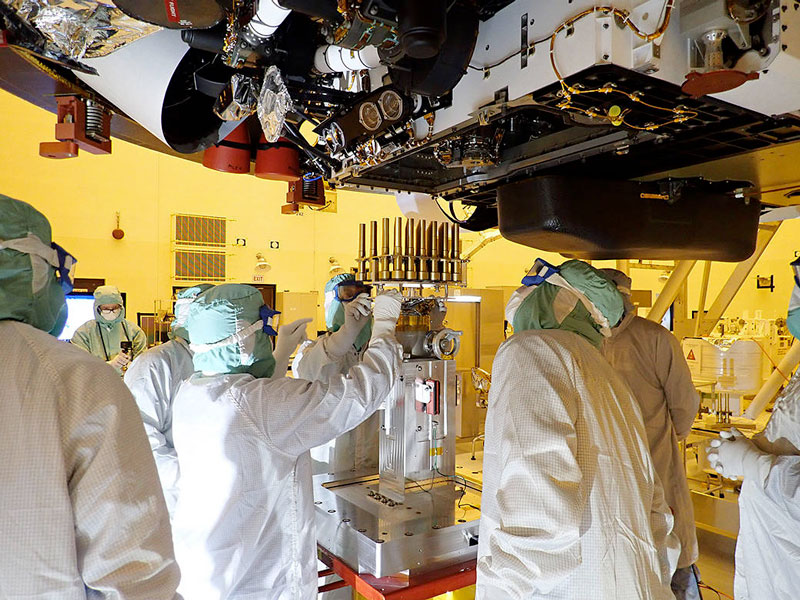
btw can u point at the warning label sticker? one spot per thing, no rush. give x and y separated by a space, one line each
690 356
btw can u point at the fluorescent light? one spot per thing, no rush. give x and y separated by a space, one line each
463 299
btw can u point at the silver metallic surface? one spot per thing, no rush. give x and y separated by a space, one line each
273 104
426 532
81 28
415 445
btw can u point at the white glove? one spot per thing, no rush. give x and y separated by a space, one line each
120 361
356 314
733 455
385 313
290 336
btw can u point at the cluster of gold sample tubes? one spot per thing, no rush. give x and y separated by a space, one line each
419 251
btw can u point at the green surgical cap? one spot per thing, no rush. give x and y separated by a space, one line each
184 299
29 291
219 313
550 306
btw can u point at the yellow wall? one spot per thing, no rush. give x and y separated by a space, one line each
81 197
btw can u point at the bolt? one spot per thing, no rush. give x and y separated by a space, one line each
373 11
605 56
408 534
330 510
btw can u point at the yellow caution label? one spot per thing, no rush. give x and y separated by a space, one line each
437 451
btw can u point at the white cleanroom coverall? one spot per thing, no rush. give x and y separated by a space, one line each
356 449
572 506
81 510
768 546
651 362
244 523
154 378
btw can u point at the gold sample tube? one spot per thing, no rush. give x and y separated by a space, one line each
444 250
411 249
362 241
374 263
362 251
433 239
398 269
398 235
384 259
456 252
422 250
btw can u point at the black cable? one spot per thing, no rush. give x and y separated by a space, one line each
102 341
314 154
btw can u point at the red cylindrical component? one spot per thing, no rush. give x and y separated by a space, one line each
279 161
231 155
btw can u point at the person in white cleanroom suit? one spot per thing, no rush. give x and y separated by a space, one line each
572 506
768 544
244 522
651 362
349 323
102 335
81 510
153 379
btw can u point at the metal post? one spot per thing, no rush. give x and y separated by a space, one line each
766 231
412 249
424 250
375 263
398 270
774 382
671 290
385 273
362 251
701 304
433 240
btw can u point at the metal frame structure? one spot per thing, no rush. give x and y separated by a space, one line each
705 323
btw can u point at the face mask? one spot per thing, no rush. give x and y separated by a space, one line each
111 315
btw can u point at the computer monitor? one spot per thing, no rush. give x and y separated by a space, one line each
80 309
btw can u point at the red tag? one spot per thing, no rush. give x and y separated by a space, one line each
3 38
172 11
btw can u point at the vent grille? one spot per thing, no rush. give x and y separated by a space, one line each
206 232
199 265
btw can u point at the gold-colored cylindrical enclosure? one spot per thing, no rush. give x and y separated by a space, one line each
374 262
398 266
433 239
384 257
